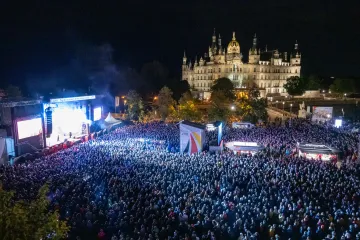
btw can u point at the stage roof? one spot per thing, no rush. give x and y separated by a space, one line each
192 124
316 148
19 102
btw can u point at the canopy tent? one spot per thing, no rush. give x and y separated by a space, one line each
111 120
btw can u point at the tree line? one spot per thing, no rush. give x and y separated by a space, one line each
224 105
339 86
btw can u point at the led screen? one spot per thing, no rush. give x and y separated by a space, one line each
29 128
338 123
97 113
67 119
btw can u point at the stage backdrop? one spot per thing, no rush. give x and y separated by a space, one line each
192 137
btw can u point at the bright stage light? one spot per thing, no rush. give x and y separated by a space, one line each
66 120
29 128
338 123
97 113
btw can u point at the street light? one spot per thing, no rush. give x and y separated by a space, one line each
155 98
291 107
283 105
233 107
277 103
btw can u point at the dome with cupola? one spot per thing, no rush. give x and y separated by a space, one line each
233 46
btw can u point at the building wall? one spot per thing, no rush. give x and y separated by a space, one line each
269 75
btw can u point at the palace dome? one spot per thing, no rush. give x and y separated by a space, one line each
233 46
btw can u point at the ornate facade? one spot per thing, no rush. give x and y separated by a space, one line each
265 69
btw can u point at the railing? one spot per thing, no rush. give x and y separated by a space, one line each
283 112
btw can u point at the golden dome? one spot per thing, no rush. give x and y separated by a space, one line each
233 46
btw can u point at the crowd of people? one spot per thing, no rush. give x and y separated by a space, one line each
128 184
286 136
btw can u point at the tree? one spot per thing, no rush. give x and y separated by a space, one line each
29 220
135 105
13 91
165 102
314 83
222 97
225 85
220 106
295 85
187 108
257 110
343 85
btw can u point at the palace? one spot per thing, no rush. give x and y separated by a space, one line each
266 70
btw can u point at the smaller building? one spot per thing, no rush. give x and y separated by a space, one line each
244 147
317 151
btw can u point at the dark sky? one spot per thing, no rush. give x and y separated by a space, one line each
36 36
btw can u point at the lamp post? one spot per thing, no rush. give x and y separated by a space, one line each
291 107
283 105
277 103
123 98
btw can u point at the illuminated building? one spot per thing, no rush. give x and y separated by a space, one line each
265 69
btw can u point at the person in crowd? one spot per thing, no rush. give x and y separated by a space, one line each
128 185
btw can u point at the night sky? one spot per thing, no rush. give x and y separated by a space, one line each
38 36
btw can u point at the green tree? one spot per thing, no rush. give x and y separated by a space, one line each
13 91
187 108
258 110
314 83
220 106
343 85
165 102
295 85
135 105
225 85
29 220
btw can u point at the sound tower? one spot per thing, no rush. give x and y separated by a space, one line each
48 113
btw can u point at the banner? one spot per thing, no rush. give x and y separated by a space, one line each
117 101
191 138
220 131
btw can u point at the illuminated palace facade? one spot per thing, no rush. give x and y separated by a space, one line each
266 70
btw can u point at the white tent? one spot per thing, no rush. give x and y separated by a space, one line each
110 119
